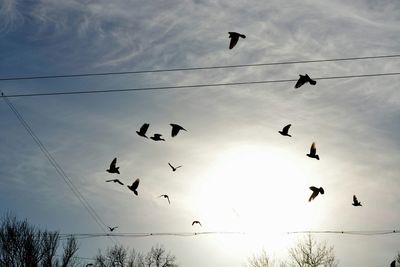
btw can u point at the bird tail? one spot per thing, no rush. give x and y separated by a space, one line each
317 157
136 193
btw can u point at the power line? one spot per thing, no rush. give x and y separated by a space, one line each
58 168
78 92
371 232
191 234
194 68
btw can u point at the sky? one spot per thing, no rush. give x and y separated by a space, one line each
238 173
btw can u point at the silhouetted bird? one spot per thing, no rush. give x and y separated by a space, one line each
134 186
235 38
143 130
315 193
304 79
166 196
113 168
285 130
356 203
112 228
157 137
313 152
194 222
175 129
173 168
393 264
115 181
89 264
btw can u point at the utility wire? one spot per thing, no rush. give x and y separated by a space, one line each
58 168
194 68
190 234
78 92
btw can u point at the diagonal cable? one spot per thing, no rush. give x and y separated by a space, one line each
58 169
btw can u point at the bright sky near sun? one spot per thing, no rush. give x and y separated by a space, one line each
238 173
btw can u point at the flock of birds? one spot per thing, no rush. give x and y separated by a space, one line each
113 169
303 79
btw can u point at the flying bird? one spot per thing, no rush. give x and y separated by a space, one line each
113 168
112 228
313 152
173 168
166 196
315 193
194 222
235 38
143 130
134 186
356 203
115 181
393 264
304 79
285 130
175 129
157 137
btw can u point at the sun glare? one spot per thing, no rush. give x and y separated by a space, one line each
258 190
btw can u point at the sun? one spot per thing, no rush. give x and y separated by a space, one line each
259 190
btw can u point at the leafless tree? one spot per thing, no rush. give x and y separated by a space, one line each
24 245
310 253
261 260
117 256
306 253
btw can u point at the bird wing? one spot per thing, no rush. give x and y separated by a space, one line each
112 180
193 223
178 167
113 163
234 40
313 195
167 197
355 200
300 81
144 128
135 184
313 150
175 131
286 128
172 167
118 181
